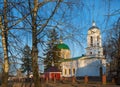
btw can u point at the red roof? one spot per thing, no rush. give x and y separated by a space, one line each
52 69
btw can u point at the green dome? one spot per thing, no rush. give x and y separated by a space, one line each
62 46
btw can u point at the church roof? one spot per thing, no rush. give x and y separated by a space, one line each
72 59
52 69
93 25
62 46
76 58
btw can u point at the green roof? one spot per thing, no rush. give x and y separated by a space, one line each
72 59
76 58
62 46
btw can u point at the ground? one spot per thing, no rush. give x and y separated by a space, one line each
65 85
62 84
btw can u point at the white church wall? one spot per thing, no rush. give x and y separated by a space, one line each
83 67
89 67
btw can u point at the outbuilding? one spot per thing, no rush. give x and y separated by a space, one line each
53 72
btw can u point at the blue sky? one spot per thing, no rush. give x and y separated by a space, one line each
98 11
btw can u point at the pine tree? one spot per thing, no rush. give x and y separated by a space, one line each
52 52
27 60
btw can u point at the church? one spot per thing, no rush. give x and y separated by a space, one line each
93 63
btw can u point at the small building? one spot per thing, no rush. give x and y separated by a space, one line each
53 72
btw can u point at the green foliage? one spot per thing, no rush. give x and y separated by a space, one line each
52 52
27 60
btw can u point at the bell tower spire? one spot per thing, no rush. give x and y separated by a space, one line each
93 23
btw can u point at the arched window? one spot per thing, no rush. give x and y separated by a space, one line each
99 53
98 38
90 52
91 41
74 71
69 71
65 71
97 44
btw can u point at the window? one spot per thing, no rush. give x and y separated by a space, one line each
97 44
98 52
73 71
91 45
97 38
69 71
90 52
65 71
91 41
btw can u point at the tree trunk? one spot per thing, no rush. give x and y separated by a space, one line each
6 62
35 68
5 48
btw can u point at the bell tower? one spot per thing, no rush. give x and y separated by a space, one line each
94 42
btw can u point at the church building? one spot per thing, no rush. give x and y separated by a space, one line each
93 63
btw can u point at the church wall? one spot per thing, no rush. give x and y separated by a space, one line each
69 68
83 67
64 53
90 67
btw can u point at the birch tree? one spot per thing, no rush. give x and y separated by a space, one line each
7 22
5 48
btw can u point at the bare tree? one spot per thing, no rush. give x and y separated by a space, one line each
7 22
5 48
112 49
39 23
